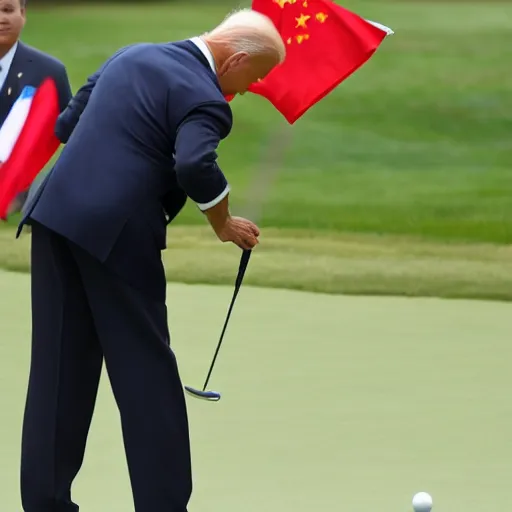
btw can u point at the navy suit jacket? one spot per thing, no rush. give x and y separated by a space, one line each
31 67
154 118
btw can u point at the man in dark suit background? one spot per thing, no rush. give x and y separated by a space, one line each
22 65
141 137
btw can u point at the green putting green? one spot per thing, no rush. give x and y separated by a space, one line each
329 403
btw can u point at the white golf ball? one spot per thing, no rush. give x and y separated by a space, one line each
422 502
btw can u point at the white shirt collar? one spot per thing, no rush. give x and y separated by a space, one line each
6 60
205 50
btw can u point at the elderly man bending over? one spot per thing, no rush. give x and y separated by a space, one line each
148 136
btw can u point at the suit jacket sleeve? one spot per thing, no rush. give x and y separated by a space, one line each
69 118
197 139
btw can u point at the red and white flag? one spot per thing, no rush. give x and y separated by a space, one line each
27 140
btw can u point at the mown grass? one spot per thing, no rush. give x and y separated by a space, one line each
359 402
356 264
415 145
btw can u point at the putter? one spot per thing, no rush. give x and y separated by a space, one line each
214 396
268 170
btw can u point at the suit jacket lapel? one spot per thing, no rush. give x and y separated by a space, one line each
15 81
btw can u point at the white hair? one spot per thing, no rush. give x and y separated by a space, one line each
249 31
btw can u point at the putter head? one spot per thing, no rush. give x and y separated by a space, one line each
210 396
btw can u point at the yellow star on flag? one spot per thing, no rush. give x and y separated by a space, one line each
302 37
301 22
282 3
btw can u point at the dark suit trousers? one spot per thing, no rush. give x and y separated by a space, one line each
84 311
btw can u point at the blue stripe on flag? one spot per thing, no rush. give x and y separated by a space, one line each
27 92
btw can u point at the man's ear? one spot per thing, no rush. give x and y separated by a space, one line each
236 60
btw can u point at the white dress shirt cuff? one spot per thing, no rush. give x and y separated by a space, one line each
213 202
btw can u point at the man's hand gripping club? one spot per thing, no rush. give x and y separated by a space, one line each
240 231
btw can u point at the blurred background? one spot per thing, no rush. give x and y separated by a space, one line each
398 183
413 149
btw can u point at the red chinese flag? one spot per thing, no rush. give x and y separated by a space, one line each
325 44
28 142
